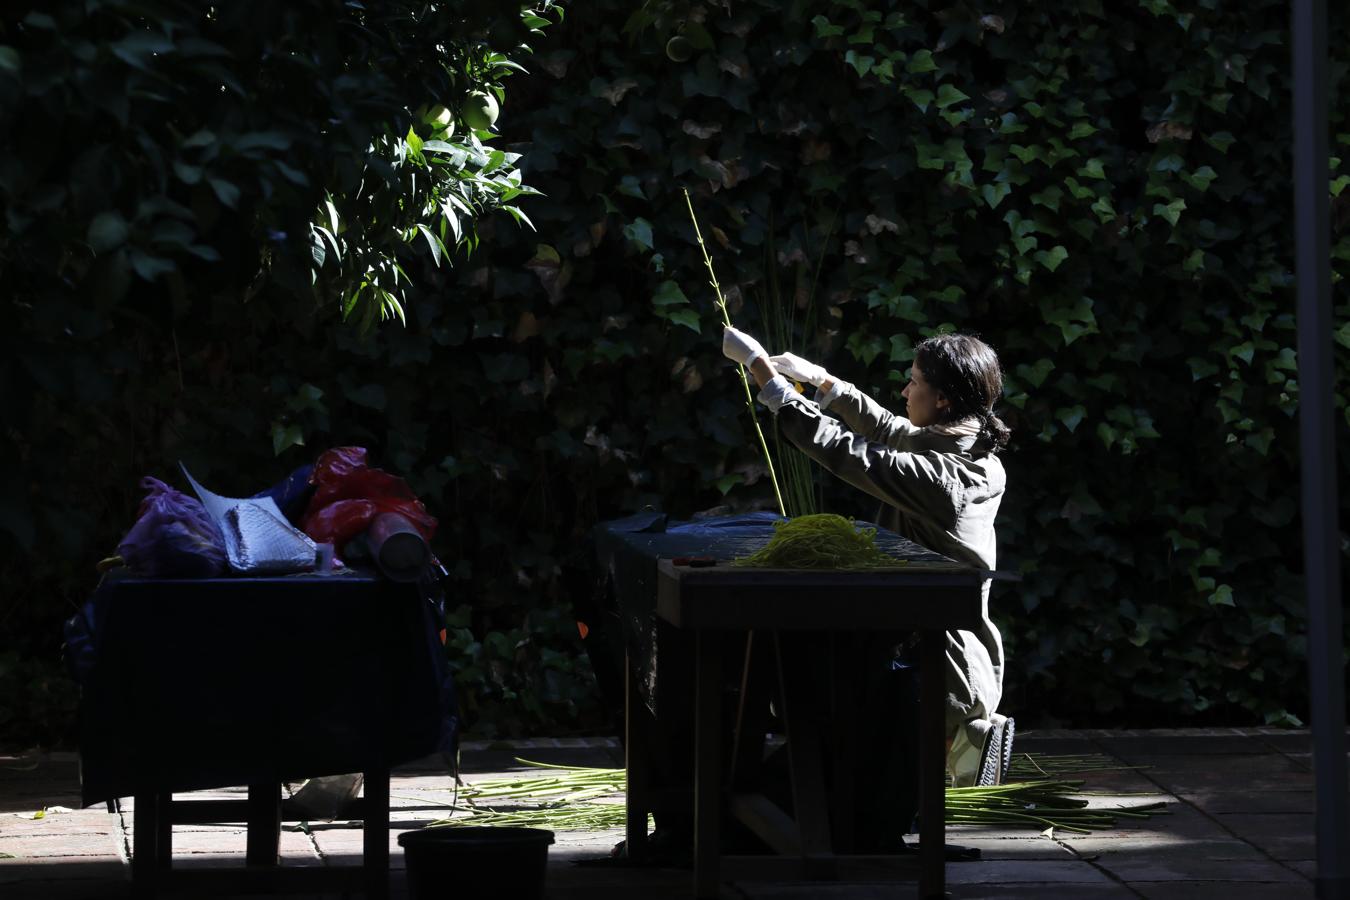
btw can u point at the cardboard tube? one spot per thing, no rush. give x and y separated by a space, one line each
398 547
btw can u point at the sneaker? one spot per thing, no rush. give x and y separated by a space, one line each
1009 728
990 771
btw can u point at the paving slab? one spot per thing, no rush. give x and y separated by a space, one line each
1282 836
1220 802
1239 826
1226 890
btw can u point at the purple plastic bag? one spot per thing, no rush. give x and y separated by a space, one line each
173 536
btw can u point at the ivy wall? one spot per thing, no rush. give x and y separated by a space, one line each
1101 191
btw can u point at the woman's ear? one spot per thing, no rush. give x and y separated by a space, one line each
942 401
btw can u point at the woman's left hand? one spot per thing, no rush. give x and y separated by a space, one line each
740 347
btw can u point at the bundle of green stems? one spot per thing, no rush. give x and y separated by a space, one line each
579 798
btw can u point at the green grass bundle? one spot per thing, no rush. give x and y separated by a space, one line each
580 798
822 541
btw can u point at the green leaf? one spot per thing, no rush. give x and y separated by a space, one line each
1081 130
639 231
727 482
1071 416
107 231
920 62
1092 169
286 436
860 63
1037 373
9 59
225 191
1220 140
993 194
1199 179
1222 596
668 293
1171 211
922 97
1342 335
1051 258
686 317
1104 210
947 95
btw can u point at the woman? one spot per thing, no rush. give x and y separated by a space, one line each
939 478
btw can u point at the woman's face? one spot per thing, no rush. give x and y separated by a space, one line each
924 404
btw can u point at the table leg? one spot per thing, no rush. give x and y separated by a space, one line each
932 764
264 823
845 651
752 715
801 701
375 833
637 762
145 851
707 763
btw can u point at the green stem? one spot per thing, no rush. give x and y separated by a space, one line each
745 382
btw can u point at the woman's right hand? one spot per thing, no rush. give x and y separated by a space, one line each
798 369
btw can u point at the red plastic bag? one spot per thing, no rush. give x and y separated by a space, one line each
348 495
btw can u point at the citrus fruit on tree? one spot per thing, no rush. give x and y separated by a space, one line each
479 111
679 49
439 118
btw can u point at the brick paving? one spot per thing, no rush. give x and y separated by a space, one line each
1240 827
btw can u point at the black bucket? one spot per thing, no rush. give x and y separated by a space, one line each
472 861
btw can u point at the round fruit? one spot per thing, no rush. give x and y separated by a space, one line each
439 118
480 111
679 49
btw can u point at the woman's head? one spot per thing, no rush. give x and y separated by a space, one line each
954 377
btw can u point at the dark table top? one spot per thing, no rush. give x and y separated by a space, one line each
201 683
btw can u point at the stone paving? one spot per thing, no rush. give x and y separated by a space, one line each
1239 827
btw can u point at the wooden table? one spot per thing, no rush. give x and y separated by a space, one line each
208 683
784 608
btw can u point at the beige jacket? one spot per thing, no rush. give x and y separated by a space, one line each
939 487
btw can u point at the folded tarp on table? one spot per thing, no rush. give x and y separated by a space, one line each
194 684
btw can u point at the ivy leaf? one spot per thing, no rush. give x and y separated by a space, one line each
1220 140
921 97
1081 130
1222 596
639 231
947 95
686 317
1093 169
727 482
668 293
824 29
286 436
993 194
920 62
1342 335
860 63
1200 179
1071 416
1171 211
1104 210
1051 258
1036 373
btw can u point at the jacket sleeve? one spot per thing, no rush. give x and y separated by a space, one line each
869 419
912 482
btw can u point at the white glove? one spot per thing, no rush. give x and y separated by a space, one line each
740 347
798 369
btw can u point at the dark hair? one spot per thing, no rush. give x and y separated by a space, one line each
966 370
